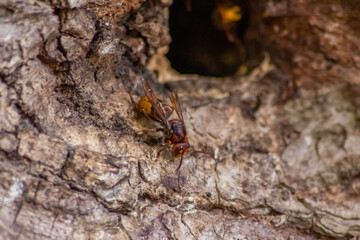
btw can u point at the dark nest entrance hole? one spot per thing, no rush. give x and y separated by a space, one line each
209 39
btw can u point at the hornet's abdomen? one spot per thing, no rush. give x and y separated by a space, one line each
145 105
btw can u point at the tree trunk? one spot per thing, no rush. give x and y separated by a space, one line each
284 138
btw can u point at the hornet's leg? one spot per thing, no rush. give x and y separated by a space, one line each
181 160
167 144
132 100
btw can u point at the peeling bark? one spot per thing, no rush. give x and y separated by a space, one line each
73 165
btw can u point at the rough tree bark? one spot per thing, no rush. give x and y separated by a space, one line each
285 137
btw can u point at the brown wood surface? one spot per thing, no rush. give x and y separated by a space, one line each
284 138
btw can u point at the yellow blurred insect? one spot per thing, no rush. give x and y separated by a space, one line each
227 17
